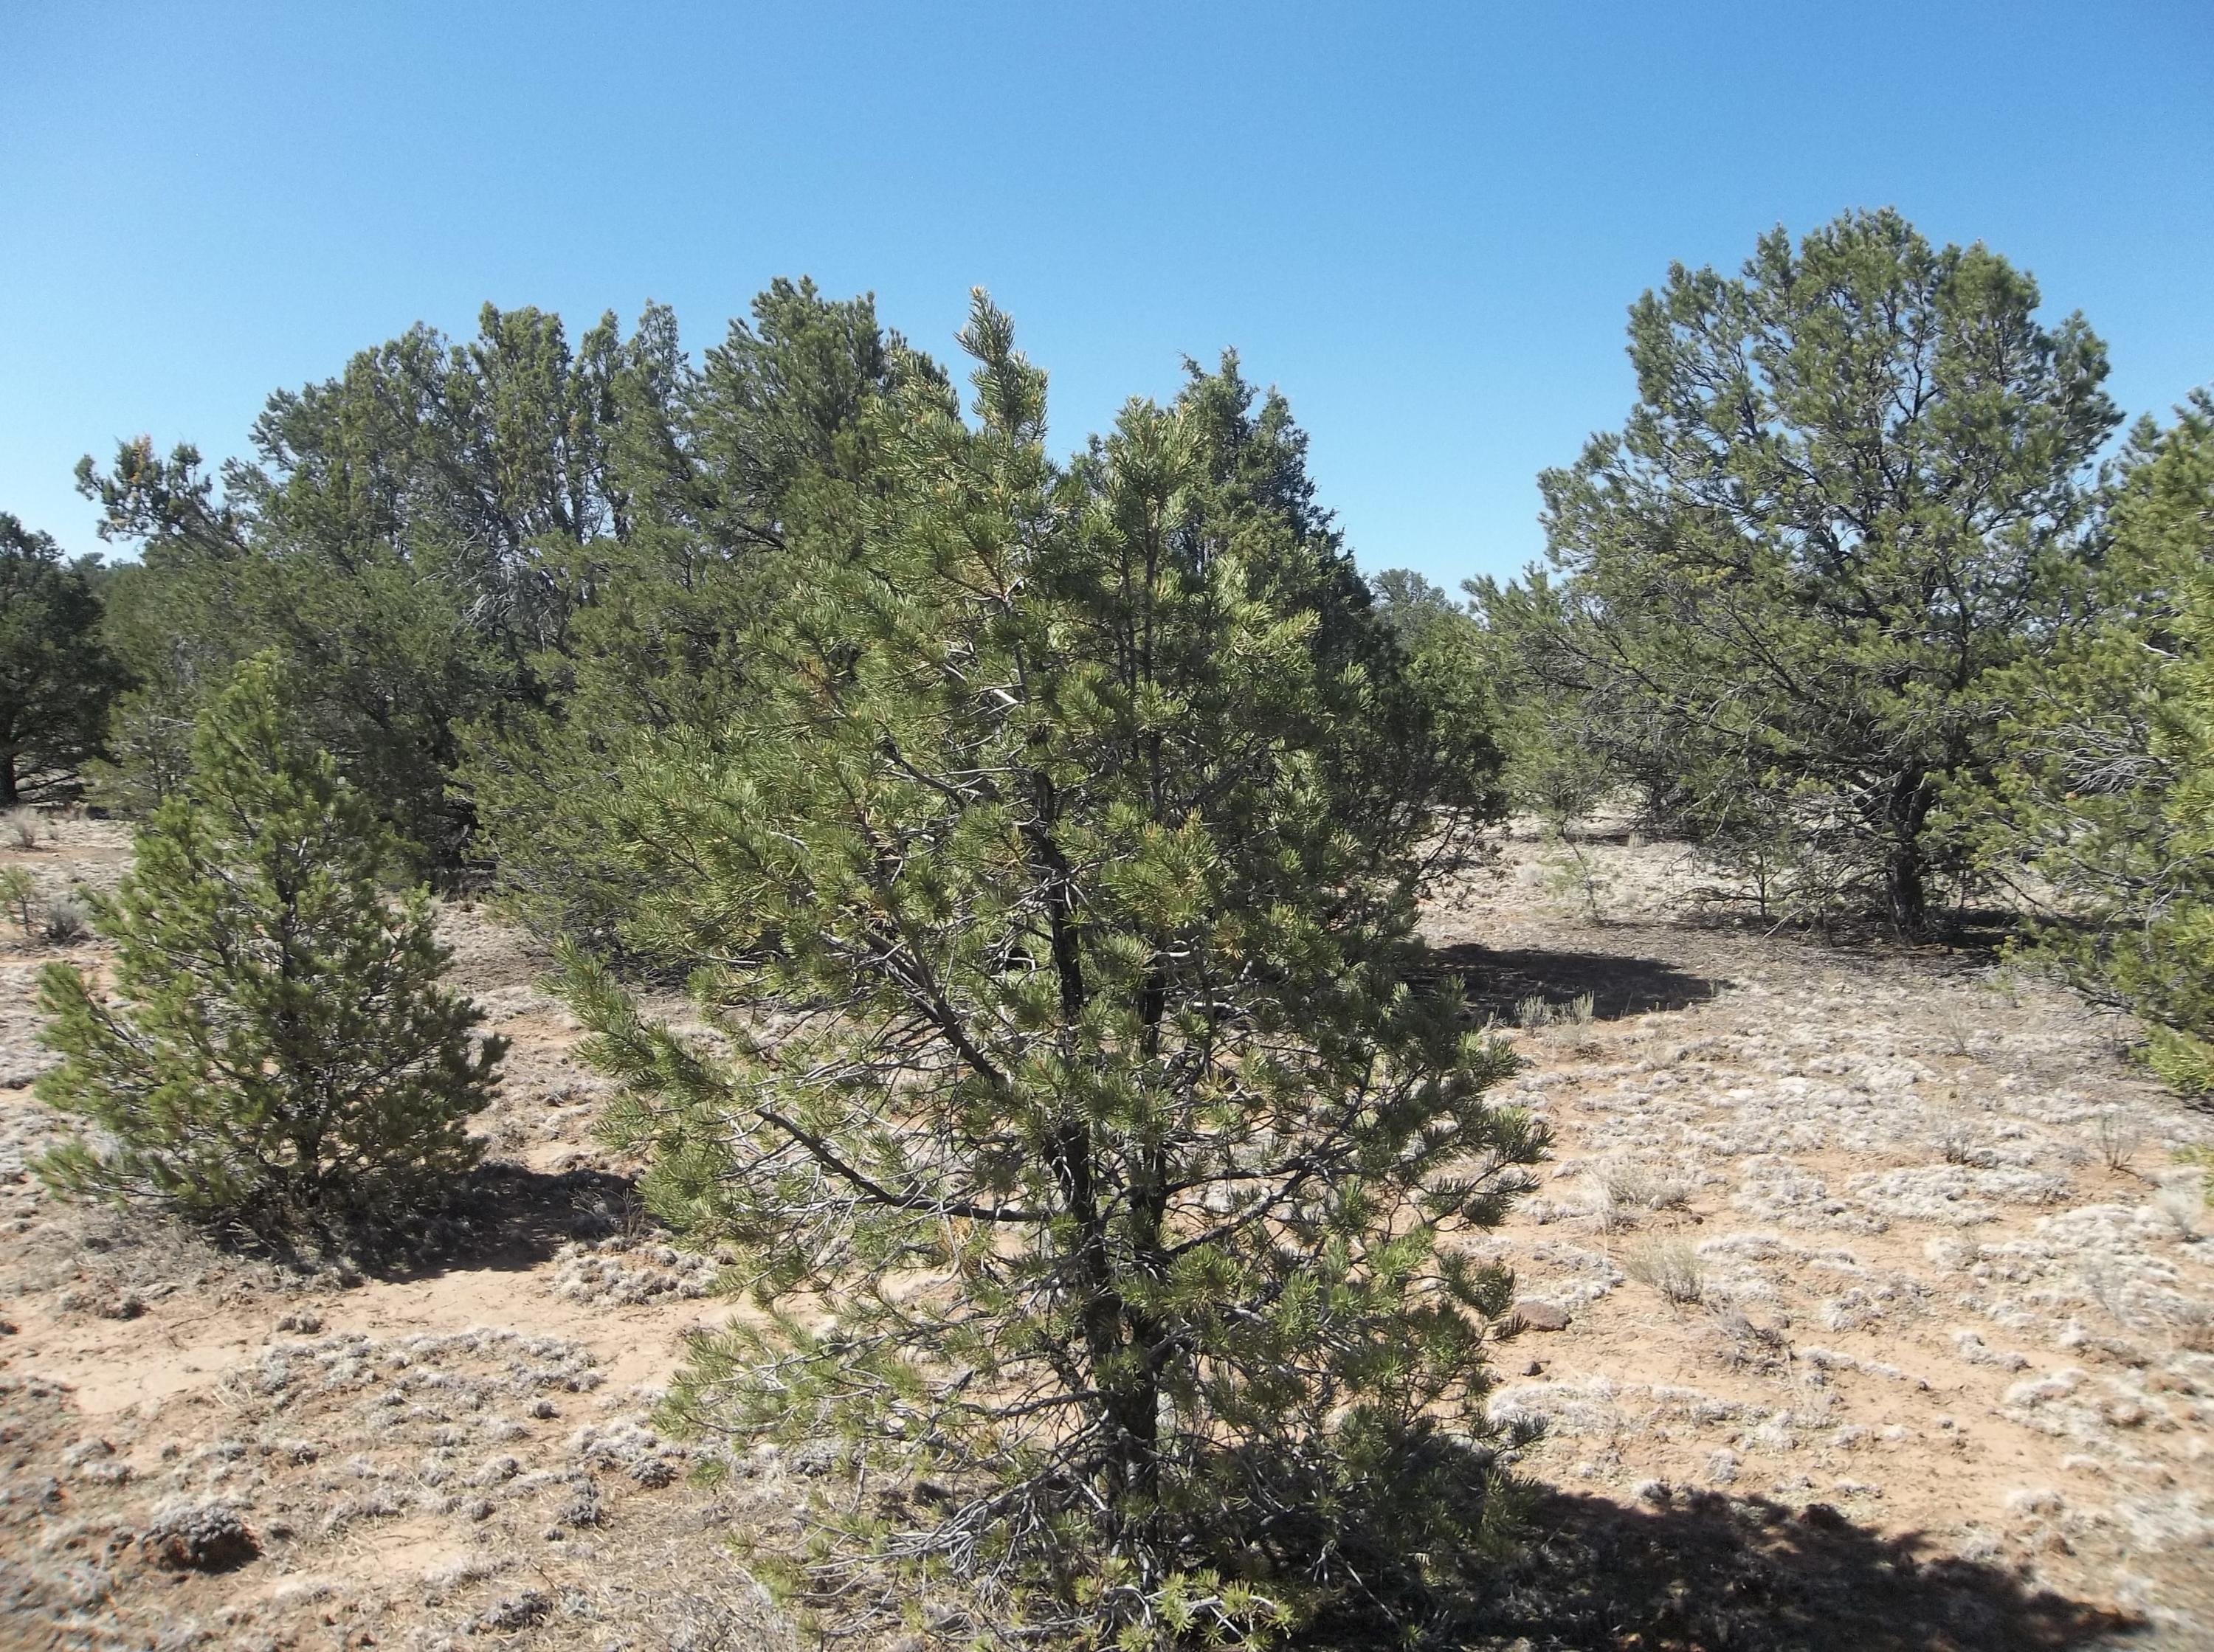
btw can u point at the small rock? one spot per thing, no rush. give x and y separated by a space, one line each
206 1536
1541 1316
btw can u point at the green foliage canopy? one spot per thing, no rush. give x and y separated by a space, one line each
2104 813
393 540
711 463
57 678
1852 485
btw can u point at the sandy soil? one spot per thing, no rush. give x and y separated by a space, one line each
1888 1321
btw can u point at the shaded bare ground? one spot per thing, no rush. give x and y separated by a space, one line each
1889 1323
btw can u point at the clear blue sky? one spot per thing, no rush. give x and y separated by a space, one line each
1424 222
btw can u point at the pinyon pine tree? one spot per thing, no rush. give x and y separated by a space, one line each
2107 802
1080 1073
276 1047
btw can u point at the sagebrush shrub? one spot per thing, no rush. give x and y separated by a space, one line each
64 923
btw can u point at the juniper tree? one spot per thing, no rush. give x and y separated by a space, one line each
710 462
1851 487
393 538
275 1045
1085 1107
56 676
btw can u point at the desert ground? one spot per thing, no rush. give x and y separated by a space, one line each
1865 1305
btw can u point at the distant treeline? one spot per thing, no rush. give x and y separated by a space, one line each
1849 601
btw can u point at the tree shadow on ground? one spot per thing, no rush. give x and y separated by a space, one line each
509 1218
1498 980
1705 1572
503 1218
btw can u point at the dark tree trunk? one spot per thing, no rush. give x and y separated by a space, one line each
1906 895
1116 1346
7 794
1130 1399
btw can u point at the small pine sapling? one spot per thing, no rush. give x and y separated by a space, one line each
276 1048
19 894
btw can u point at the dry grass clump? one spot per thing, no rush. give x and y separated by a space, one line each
2191 1326
1536 1012
1746 1344
1863 1306
1957 1142
2118 1137
65 922
1640 1188
1959 1029
1576 1276
1622 1193
60 920
2181 1209
1772 1187
1956 1196
1671 1266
